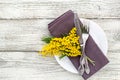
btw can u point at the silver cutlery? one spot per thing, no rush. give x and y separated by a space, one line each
85 36
83 59
79 32
83 32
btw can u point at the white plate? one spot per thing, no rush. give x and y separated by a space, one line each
99 37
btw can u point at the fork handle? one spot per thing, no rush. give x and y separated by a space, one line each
84 67
81 68
87 69
84 59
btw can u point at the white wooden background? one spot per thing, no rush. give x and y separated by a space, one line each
24 22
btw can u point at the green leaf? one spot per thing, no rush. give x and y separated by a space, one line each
62 56
47 39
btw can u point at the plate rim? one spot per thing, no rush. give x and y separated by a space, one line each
105 52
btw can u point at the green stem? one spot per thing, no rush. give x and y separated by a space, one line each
62 56
93 62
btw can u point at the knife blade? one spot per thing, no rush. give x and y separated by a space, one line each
78 27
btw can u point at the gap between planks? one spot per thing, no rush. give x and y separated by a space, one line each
51 9
106 18
25 35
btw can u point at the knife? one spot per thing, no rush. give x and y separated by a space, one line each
83 60
81 68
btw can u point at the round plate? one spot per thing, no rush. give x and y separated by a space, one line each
99 37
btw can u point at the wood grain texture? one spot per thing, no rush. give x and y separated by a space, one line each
26 35
15 34
31 66
24 22
26 9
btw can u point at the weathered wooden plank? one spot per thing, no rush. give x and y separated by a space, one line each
32 1
24 22
29 58
29 65
51 9
25 35
16 33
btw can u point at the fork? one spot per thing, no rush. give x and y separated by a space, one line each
83 60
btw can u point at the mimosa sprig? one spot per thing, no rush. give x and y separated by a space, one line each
67 45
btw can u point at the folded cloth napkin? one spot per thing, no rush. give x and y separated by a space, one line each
62 25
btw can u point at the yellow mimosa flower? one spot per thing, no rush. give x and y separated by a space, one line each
67 45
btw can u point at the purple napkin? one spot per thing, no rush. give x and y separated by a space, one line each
62 25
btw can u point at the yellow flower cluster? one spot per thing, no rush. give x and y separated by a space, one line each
67 45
